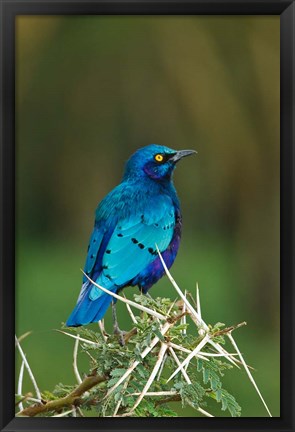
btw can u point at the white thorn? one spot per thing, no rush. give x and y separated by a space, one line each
134 320
149 382
75 365
101 328
125 300
190 356
159 393
198 300
224 352
28 368
183 319
194 314
80 338
20 384
161 368
248 372
180 348
120 400
205 412
153 343
183 371
64 414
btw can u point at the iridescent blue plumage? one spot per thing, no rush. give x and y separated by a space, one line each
140 213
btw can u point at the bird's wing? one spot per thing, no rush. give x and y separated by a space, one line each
93 248
132 244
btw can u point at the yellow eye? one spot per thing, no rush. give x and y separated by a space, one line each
159 158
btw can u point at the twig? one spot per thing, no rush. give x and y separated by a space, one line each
23 336
24 398
228 329
129 334
173 398
28 368
176 398
67 401
33 399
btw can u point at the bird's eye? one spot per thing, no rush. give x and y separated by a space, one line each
159 158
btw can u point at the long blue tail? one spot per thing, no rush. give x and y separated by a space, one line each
86 310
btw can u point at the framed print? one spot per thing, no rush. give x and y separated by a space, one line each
147 215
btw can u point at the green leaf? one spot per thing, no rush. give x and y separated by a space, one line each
228 402
118 372
191 394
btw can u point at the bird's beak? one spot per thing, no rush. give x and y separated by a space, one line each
182 153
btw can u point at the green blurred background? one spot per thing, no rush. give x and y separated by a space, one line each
90 91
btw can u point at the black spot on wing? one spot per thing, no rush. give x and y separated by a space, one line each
108 251
134 240
140 245
120 235
152 251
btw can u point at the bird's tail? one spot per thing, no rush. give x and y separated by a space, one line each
89 308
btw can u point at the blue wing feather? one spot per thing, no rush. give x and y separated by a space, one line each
94 245
122 245
129 255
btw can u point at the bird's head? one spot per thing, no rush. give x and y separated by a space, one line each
155 161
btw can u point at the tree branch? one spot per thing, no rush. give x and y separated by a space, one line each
173 398
69 400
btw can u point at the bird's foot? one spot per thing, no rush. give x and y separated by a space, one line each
120 334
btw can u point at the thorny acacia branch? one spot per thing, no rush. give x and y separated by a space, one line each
68 401
166 322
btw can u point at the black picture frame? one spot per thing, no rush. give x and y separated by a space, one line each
9 10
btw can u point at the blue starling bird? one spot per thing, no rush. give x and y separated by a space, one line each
141 212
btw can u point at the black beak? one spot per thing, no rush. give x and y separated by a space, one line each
182 153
